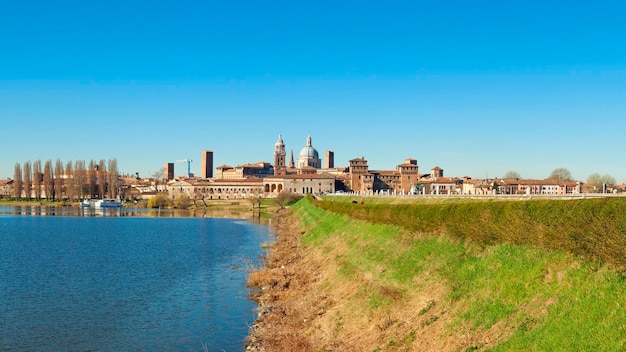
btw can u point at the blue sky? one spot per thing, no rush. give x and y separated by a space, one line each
477 88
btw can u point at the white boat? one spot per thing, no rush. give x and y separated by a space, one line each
107 203
85 203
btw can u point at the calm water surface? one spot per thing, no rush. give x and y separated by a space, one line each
125 283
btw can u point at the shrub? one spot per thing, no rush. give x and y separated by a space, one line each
183 201
286 198
159 201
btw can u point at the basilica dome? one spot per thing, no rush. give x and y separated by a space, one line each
309 156
308 151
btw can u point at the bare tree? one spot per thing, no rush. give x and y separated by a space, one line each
202 194
159 174
113 178
560 174
17 181
608 179
27 175
93 179
256 198
513 175
102 179
37 179
79 179
69 184
58 180
72 182
598 182
48 180
286 198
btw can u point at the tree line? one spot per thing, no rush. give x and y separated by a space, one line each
70 181
561 174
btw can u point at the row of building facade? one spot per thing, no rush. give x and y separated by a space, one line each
309 174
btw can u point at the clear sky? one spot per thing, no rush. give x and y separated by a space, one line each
478 88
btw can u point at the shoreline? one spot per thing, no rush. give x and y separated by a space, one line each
236 208
276 288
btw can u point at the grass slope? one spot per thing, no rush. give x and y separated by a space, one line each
393 288
592 228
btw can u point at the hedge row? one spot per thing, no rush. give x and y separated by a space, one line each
592 228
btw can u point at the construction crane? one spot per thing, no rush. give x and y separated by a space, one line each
188 161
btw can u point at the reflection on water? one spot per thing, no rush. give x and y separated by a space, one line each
124 280
41 210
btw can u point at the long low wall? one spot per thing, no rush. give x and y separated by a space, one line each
488 196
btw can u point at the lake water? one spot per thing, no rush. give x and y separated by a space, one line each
124 281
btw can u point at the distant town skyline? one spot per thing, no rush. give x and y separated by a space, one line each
478 89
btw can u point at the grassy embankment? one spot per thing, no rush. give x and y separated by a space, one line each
532 275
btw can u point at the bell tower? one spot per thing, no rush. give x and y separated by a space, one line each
279 156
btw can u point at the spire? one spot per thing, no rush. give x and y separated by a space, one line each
308 141
292 164
280 139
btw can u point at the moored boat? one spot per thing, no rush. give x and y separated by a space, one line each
105 203
85 203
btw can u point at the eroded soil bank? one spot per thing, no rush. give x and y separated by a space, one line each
278 289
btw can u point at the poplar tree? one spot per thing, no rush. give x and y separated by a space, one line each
93 180
28 186
79 179
102 179
17 181
58 180
69 181
37 178
112 179
48 180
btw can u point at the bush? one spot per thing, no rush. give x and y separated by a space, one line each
182 201
159 201
286 198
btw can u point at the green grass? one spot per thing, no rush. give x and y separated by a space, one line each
590 228
514 273
588 315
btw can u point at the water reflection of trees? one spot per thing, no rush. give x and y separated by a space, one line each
42 210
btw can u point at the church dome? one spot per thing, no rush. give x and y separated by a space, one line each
308 151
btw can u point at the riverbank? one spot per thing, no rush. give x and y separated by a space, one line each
277 288
335 283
